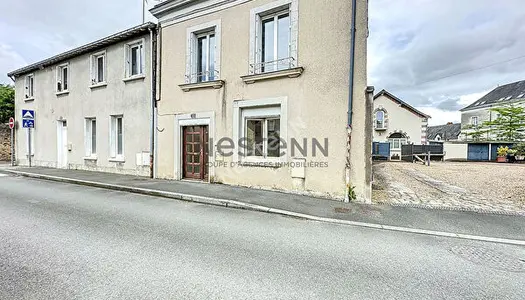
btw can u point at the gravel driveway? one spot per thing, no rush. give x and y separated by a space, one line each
460 185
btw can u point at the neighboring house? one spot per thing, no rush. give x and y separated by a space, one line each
479 112
398 123
244 82
443 133
92 105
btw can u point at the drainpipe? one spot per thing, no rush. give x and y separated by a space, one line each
153 38
352 64
350 96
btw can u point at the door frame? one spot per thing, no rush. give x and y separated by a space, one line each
193 119
62 151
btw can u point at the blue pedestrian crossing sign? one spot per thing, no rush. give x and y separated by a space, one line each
28 118
28 114
27 123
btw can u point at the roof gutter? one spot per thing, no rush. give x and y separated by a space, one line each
352 64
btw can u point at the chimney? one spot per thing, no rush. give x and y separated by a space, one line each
450 123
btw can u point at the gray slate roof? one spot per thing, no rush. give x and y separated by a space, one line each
501 95
109 40
402 103
447 132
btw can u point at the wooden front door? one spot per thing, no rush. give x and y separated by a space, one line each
195 152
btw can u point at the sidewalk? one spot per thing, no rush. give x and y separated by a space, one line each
408 219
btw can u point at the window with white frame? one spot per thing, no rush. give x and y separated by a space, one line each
273 36
90 137
98 68
474 121
396 140
63 78
380 119
29 86
396 143
135 59
261 132
203 58
117 137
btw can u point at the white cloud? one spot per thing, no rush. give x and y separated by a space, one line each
9 59
415 45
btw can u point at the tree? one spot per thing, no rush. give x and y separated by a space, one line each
510 123
476 133
7 102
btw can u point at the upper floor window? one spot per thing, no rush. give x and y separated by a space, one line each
206 56
135 59
63 78
275 42
474 121
380 119
203 57
98 68
273 36
29 86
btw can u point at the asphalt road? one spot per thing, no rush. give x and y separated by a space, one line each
60 241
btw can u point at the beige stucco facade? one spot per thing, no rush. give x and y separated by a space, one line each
311 105
55 113
399 119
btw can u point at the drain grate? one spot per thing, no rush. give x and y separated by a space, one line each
490 258
342 210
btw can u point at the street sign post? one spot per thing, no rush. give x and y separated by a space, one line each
28 121
12 127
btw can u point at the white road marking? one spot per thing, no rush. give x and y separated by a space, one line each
3 175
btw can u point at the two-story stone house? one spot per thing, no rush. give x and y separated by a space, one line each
479 111
398 123
92 105
259 93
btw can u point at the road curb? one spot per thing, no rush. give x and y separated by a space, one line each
248 206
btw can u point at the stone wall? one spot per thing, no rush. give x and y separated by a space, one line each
5 142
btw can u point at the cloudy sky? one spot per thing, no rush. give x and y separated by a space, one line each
415 46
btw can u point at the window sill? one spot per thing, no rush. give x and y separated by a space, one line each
29 99
380 129
117 160
216 84
134 77
98 85
62 93
290 73
94 158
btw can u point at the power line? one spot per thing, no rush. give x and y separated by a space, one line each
471 70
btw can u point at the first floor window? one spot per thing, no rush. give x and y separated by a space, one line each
91 137
98 68
62 78
275 41
474 121
117 137
205 56
30 86
263 137
380 119
135 59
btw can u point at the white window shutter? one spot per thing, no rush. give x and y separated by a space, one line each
91 69
127 65
112 137
142 60
87 143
